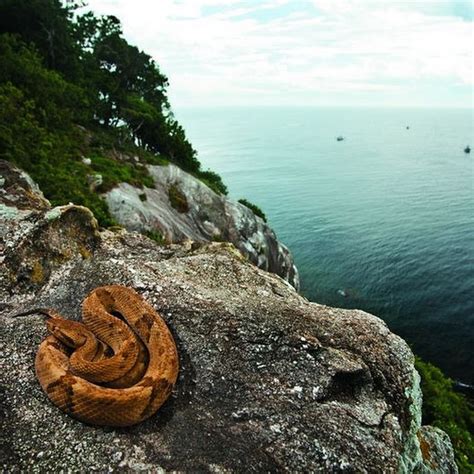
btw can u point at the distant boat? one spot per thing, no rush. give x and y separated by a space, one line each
340 138
408 128
467 149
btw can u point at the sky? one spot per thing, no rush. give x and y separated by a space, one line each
376 53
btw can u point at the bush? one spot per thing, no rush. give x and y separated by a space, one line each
114 172
255 209
156 236
212 180
448 410
177 199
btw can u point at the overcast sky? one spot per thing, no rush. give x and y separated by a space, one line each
306 52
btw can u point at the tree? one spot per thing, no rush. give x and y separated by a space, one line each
47 24
60 69
57 102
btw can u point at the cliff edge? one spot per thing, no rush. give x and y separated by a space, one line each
268 382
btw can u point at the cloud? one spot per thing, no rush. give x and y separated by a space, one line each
218 52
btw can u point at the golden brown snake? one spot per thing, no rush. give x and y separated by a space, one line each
114 369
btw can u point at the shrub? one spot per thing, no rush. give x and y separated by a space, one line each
152 159
114 172
156 236
177 199
255 209
212 180
448 410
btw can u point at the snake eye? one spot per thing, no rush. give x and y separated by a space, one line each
69 341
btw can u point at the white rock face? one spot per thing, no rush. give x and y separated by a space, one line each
209 217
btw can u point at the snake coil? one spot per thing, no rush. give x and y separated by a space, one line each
117 367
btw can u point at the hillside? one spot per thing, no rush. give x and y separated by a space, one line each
72 87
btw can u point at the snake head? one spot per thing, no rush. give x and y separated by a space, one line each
70 333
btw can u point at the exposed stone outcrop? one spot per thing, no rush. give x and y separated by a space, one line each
206 217
268 381
18 191
437 451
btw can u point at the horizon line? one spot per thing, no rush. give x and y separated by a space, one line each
327 106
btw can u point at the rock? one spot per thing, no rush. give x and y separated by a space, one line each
205 217
437 451
268 380
18 191
94 181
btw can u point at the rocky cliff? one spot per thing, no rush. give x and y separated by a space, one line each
268 382
181 207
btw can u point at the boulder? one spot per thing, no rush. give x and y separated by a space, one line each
181 207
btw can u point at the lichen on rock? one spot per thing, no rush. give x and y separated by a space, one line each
18 190
436 450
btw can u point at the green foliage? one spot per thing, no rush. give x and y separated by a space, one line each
448 410
156 236
115 171
64 179
17 119
48 25
57 103
151 159
217 238
178 199
255 209
60 69
212 180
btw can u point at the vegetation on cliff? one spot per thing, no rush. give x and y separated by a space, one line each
76 99
448 410
254 208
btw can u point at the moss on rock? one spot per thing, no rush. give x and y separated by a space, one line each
178 199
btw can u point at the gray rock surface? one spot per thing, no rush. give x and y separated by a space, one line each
437 451
268 380
209 217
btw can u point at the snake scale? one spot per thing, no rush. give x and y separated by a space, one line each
117 367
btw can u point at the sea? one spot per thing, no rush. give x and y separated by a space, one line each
381 220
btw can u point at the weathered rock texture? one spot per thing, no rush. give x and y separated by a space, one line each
268 380
204 217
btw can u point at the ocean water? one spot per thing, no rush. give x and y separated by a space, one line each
382 221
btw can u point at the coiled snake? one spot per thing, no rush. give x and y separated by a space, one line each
114 369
